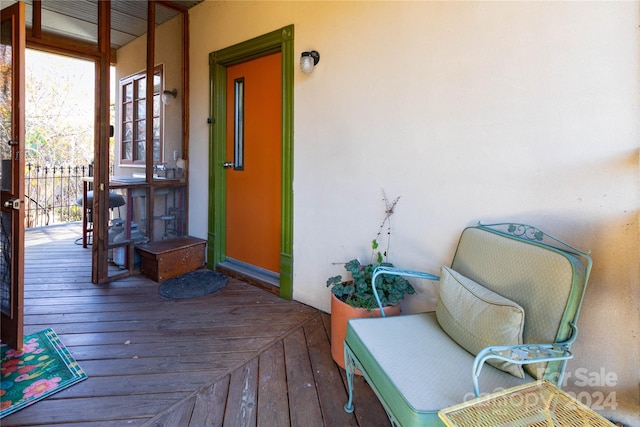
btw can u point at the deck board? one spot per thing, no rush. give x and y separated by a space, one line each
210 404
242 399
241 356
303 396
327 377
273 404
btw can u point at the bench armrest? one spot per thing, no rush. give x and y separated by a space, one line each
523 355
397 272
518 354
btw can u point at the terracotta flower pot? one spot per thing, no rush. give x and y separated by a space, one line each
340 314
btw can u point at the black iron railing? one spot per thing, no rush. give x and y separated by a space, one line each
52 192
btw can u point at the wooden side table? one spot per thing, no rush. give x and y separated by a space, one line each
534 404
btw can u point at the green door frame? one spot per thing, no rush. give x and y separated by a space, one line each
276 41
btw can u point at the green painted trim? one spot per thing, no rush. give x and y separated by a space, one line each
217 214
276 41
286 256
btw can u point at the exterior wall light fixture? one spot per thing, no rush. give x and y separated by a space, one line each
168 96
308 60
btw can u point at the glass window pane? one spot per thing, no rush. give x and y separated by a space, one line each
142 87
128 132
142 129
156 128
238 125
142 108
140 153
126 152
156 151
128 112
157 83
156 106
128 92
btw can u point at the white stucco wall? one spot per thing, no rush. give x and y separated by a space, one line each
492 111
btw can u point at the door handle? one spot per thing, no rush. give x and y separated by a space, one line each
227 165
12 203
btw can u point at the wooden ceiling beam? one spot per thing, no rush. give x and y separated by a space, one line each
55 43
36 19
174 6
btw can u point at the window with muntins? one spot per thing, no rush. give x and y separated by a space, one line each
134 119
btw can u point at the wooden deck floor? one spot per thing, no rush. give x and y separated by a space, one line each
239 357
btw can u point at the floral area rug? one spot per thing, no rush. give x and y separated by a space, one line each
43 367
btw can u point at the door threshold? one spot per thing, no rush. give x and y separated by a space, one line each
256 276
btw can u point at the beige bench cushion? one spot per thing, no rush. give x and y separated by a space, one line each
417 367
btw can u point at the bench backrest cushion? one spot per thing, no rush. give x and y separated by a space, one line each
546 282
476 317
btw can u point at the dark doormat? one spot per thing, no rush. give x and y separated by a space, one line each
193 285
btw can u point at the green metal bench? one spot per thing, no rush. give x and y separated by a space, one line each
505 316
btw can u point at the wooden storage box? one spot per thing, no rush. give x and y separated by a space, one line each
165 259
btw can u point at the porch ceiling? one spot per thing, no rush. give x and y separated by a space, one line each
78 19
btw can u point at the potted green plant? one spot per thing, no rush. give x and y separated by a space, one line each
358 292
354 298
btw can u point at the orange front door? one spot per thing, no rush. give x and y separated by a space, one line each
254 162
